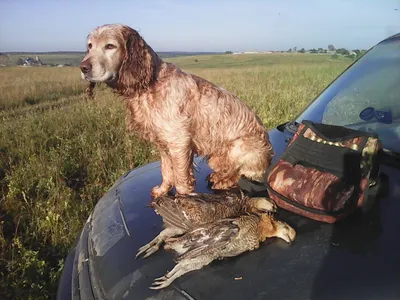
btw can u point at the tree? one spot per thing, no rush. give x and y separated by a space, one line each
331 48
228 52
302 50
290 50
295 49
342 51
320 50
313 51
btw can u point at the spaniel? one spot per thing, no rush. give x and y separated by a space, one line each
182 114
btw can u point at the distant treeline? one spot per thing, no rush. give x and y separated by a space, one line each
183 53
161 53
44 53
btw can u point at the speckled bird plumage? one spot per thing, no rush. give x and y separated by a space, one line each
223 238
182 213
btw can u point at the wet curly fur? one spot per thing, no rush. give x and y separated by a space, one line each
182 114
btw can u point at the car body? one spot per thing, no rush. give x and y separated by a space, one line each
357 258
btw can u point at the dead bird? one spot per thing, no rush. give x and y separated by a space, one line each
221 239
89 90
181 213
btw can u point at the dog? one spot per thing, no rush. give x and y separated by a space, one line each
182 114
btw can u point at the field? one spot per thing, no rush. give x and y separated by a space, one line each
59 153
74 58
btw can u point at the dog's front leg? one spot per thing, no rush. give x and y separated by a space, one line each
182 161
167 176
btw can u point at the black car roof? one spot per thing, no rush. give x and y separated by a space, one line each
393 37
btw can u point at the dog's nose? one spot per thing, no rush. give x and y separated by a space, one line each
85 66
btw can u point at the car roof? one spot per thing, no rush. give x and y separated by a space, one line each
393 37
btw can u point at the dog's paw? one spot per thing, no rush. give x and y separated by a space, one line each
210 177
218 186
224 184
184 190
158 191
214 177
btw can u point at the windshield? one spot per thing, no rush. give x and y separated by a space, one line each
365 97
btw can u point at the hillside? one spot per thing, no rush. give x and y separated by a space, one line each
4 59
72 58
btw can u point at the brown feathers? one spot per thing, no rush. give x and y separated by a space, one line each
183 213
89 90
202 227
221 239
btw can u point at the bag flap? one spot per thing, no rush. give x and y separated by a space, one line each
335 133
340 161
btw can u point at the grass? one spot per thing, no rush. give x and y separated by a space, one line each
50 58
253 60
60 153
30 86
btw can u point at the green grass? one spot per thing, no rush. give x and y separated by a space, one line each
252 60
50 59
31 86
60 153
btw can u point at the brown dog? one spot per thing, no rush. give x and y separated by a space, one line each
180 113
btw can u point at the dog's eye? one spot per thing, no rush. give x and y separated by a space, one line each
110 46
89 46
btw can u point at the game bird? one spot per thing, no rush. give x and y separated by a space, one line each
221 239
181 213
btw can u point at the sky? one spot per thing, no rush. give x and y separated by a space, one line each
202 25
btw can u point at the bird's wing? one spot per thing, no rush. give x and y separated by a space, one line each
172 212
209 238
187 211
213 197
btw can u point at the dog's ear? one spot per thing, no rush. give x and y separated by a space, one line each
137 68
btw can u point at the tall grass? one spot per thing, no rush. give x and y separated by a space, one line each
56 162
28 86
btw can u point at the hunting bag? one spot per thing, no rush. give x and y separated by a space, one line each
325 171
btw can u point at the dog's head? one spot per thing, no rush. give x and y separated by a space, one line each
117 53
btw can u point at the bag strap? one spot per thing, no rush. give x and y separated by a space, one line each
251 186
373 192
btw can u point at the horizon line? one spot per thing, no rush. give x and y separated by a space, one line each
176 51
83 51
